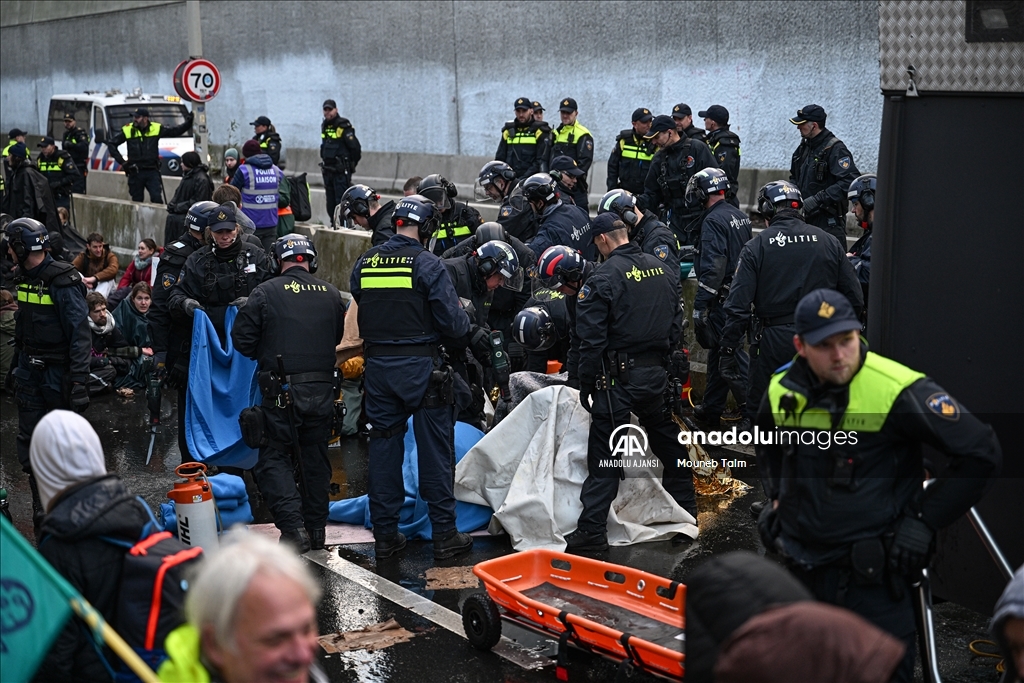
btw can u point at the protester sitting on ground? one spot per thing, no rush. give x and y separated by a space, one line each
111 356
130 320
97 264
8 307
1008 627
141 269
251 613
83 504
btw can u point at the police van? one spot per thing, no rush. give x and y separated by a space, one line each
102 114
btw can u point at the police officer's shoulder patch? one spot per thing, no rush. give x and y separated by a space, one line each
661 251
167 281
690 162
944 406
844 162
584 292
506 211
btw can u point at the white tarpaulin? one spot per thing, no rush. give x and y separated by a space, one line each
530 470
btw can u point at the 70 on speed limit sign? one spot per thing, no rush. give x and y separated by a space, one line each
197 80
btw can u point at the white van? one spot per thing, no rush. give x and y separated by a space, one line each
103 114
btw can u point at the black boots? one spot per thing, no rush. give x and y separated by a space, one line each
386 546
317 538
451 544
586 541
298 539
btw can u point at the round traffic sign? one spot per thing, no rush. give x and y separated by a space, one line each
178 83
200 80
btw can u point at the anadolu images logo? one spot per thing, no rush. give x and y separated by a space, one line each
628 441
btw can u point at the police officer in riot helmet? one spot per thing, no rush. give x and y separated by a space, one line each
172 335
773 271
564 270
458 220
724 232
675 162
498 181
294 304
628 319
560 223
542 329
406 304
862 202
51 336
645 230
568 176
361 204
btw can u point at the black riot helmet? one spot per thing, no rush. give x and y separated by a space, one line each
778 195
534 329
198 217
862 190
293 247
490 230
622 204
540 187
703 184
495 169
417 210
559 266
439 190
356 201
499 257
24 236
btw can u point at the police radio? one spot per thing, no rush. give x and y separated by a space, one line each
499 363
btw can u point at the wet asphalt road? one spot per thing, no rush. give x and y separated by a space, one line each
437 653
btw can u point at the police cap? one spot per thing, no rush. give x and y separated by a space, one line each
812 112
46 142
141 111
681 110
223 218
260 121
566 165
523 103
537 106
568 105
69 116
16 133
822 313
605 222
660 125
330 104
642 114
716 113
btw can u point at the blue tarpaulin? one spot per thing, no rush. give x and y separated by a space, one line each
414 522
221 383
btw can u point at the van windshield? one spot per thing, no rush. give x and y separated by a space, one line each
166 114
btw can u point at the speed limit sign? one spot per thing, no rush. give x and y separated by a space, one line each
200 80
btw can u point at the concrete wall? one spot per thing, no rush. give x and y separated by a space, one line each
440 77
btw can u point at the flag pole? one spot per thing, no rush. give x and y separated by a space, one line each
98 624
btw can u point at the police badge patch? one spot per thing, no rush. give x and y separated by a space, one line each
506 211
689 162
661 251
584 292
167 281
944 406
844 163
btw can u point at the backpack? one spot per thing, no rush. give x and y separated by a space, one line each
300 204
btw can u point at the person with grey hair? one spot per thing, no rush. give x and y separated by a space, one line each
251 617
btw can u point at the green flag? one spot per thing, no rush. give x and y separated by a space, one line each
33 605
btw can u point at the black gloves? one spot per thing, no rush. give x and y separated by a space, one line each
911 546
79 398
480 343
810 206
701 330
240 301
191 306
177 376
768 525
728 366
586 394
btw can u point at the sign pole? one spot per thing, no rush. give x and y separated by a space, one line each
195 49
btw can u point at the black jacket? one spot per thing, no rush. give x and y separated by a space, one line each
60 171
725 147
144 151
823 169
172 335
31 197
380 224
654 238
516 216
340 150
695 133
778 267
665 186
76 143
627 165
270 144
527 149
195 186
724 232
456 224
564 224
71 531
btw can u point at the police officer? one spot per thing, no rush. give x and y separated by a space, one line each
406 303
725 146
682 115
172 335
568 177
774 269
564 270
542 329
498 181
76 143
862 201
340 152
676 160
268 138
457 221
645 230
361 203
294 304
850 516
631 156
51 335
822 169
525 143
60 171
560 223
538 111
572 139
724 232
628 319
29 194
143 165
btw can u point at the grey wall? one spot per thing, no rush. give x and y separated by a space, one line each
440 77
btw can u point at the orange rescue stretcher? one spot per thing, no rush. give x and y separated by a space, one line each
621 613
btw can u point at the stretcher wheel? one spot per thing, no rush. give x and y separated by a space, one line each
481 620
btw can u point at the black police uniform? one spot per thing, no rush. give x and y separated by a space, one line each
628 315
143 164
172 335
53 342
76 143
380 224
724 232
655 238
516 216
61 173
270 144
822 169
665 186
402 316
468 362
629 162
565 224
340 152
860 258
775 269
527 148
725 147
456 224
29 196
694 133
577 143
295 305
195 186
840 506
555 304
